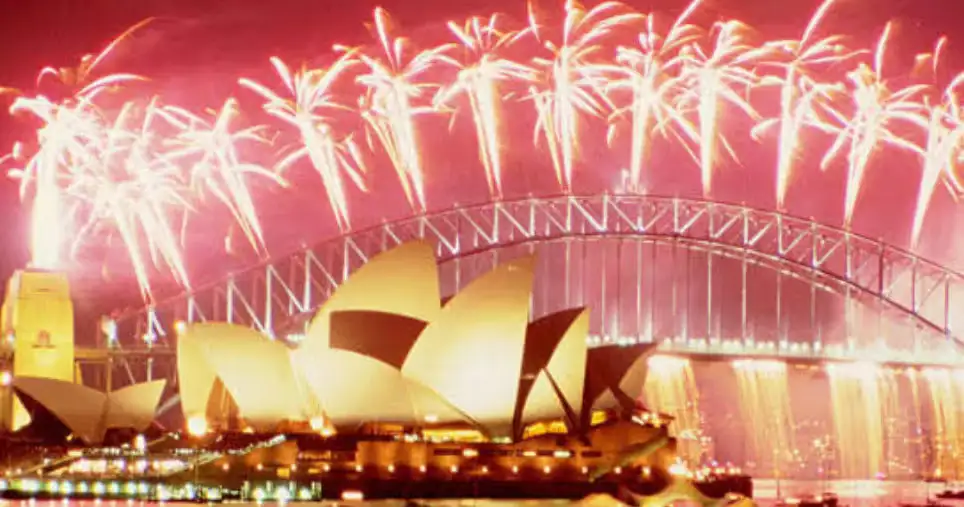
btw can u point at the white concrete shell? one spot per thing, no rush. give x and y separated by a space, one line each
89 413
256 370
354 389
471 354
565 374
402 281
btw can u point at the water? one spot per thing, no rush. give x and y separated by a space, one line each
853 493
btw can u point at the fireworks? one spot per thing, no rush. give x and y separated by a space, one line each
569 89
134 170
309 113
479 74
711 78
210 151
875 109
392 87
645 72
800 94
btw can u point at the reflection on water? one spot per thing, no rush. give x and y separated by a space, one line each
851 493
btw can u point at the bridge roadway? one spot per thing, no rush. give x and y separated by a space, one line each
861 298
696 349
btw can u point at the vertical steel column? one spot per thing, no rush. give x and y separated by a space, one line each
568 270
229 301
639 288
268 318
652 293
779 325
605 274
686 305
744 325
709 294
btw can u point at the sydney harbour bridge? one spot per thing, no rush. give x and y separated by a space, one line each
710 282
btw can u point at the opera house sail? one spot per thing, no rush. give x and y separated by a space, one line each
393 381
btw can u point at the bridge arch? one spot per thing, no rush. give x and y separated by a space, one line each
266 296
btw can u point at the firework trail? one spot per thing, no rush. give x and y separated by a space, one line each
569 88
132 188
209 149
392 84
944 132
875 109
62 143
479 74
308 111
66 122
801 94
711 79
81 82
645 72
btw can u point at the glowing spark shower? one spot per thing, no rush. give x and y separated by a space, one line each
712 78
645 72
801 94
389 104
860 394
764 396
946 389
671 389
309 112
602 61
567 88
479 74
876 108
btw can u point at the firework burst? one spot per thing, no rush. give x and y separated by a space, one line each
710 79
876 108
480 71
309 112
209 149
801 94
645 72
568 86
942 147
394 83
128 186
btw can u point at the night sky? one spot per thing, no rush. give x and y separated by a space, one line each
196 49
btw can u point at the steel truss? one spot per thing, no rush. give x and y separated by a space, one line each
275 297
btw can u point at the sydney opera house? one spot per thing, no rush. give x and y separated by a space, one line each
388 388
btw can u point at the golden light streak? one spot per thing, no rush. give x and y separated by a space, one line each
59 145
876 108
389 106
764 397
209 150
862 396
944 139
480 71
62 144
670 388
309 112
713 78
679 83
645 72
81 81
946 389
131 188
567 87
801 92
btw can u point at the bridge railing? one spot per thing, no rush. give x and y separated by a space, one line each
271 296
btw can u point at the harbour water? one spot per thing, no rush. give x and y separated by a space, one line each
767 491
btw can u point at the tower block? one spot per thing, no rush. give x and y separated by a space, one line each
38 321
